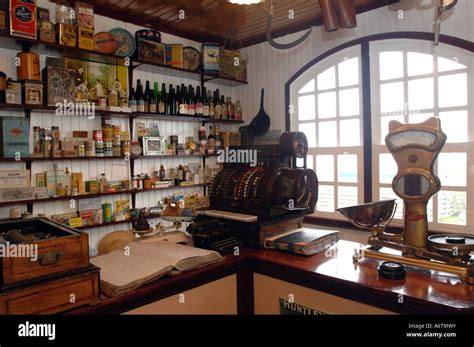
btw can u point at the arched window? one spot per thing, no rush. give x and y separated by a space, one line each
328 109
410 81
413 80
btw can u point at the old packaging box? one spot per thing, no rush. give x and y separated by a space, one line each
15 133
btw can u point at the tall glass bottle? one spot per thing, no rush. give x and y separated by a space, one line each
156 93
177 99
199 104
139 97
132 103
163 98
146 96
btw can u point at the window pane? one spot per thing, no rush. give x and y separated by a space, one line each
384 121
309 130
452 169
325 168
327 134
327 105
454 125
349 133
388 168
421 94
347 168
325 199
349 102
306 107
309 162
453 90
452 207
327 79
391 97
308 87
419 117
348 73
449 65
386 194
391 65
419 63
346 196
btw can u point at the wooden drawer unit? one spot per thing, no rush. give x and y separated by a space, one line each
67 250
77 289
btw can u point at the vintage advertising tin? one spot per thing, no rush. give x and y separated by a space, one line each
23 18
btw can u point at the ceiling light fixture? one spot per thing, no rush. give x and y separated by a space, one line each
443 6
246 2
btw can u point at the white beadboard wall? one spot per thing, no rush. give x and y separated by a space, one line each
270 68
67 124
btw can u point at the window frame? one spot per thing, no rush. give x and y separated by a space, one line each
312 74
368 182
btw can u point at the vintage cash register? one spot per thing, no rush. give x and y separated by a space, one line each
415 148
251 203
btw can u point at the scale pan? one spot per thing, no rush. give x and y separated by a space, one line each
369 215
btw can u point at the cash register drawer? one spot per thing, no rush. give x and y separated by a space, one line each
78 289
67 251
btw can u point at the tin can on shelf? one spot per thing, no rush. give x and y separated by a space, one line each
117 146
108 149
99 148
125 147
107 212
98 135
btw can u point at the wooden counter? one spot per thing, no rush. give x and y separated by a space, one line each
333 272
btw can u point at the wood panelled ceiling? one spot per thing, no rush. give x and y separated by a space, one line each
218 20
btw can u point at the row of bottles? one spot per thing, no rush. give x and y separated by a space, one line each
183 101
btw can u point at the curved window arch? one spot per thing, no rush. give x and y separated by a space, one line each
405 78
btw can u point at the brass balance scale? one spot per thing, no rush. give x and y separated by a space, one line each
415 148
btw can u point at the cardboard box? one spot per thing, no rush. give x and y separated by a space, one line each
174 56
210 58
41 193
15 137
50 181
91 218
40 180
151 52
92 187
14 179
66 34
13 93
15 194
46 31
85 38
23 18
32 92
77 182
90 204
84 15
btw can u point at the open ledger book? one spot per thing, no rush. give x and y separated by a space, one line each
122 271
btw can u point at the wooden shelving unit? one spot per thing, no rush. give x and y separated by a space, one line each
132 63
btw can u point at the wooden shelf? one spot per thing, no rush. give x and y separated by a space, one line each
91 196
137 191
137 157
40 108
112 59
30 160
104 224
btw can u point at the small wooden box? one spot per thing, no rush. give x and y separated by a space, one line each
66 250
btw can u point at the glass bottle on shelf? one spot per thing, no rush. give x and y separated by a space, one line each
238 110
132 103
210 100
217 105
211 142
205 103
162 103
191 102
146 96
139 97
152 103
177 100
162 173
170 103
230 108
156 93
198 104
224 108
